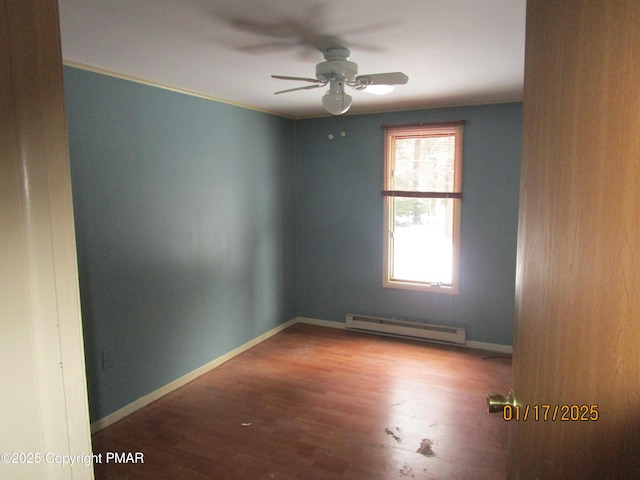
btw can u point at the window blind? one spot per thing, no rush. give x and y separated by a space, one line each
424 160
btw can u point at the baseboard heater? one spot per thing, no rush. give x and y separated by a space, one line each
406 329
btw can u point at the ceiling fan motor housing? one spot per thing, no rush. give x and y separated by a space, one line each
343 69
336 66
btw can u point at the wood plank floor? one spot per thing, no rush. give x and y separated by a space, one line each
319 403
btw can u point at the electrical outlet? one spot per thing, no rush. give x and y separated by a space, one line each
107 358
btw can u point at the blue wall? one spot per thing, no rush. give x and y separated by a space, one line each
339 229
202 225
184 213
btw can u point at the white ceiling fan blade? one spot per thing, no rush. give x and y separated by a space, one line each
391 78
284 77
308 87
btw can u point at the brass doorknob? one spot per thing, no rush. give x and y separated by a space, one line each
497 402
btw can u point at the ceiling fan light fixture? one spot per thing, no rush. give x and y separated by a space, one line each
379 89
335 101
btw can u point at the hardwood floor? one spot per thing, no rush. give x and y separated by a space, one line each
319 403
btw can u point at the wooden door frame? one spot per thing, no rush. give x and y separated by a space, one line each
45 392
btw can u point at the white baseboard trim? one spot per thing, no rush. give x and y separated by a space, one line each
112 418
491 347
321 323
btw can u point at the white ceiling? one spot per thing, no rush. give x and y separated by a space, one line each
455 52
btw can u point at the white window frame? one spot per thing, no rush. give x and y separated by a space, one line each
390 132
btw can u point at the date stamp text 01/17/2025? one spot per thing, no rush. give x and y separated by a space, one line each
551 413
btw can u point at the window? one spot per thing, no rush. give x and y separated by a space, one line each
422 196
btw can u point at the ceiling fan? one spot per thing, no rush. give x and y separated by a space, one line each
337 71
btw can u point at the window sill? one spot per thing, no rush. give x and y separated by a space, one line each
422 287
